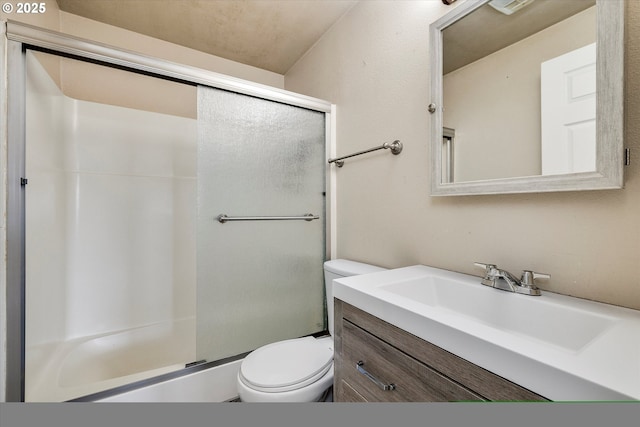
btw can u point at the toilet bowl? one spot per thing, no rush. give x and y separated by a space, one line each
297 370
300 369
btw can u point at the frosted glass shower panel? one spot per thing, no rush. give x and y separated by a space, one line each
258 281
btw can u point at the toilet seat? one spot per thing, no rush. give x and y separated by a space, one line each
286 365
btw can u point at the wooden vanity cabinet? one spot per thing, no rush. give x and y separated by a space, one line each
371 355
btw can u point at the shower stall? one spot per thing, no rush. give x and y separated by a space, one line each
155 223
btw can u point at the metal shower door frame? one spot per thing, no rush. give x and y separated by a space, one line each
16 39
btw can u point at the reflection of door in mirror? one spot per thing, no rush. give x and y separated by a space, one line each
568 101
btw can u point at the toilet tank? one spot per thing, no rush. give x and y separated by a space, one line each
336 269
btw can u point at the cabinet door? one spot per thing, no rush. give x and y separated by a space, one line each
371 365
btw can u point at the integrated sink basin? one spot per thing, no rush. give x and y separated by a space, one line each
560 347
545 320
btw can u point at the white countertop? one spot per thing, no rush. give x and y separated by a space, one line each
563 348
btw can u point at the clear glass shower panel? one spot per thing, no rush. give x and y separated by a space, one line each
259 281
110 220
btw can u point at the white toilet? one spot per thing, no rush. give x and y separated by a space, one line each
300 369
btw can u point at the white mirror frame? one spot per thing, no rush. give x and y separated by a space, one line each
609 114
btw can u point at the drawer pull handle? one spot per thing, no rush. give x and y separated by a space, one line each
383 386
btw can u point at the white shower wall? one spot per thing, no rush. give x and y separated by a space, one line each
110 219
131 253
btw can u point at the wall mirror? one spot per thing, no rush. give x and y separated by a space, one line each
527 96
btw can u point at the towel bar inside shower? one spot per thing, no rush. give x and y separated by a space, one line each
222 218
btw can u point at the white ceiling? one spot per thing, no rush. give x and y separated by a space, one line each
268 34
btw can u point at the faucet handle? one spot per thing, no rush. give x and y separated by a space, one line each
489 270
487 267
528 278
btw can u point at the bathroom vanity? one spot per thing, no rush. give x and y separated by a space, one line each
378 362
425 334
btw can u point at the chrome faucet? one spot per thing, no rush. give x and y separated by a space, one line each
502 279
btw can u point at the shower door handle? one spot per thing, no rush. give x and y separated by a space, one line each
222 218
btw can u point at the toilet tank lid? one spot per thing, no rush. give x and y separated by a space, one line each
345 267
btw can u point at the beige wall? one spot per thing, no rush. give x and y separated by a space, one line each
74 25
126 89
374 65
49 19
78 79
114 36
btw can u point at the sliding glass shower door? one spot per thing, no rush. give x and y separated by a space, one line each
260 279
129 274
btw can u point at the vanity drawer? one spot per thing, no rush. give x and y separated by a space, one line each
379 361
420 370
348 394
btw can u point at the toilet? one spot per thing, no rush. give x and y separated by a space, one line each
300 369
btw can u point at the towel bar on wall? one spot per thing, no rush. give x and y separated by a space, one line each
222 218
395 146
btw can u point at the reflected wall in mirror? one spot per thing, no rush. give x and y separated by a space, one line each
518 93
